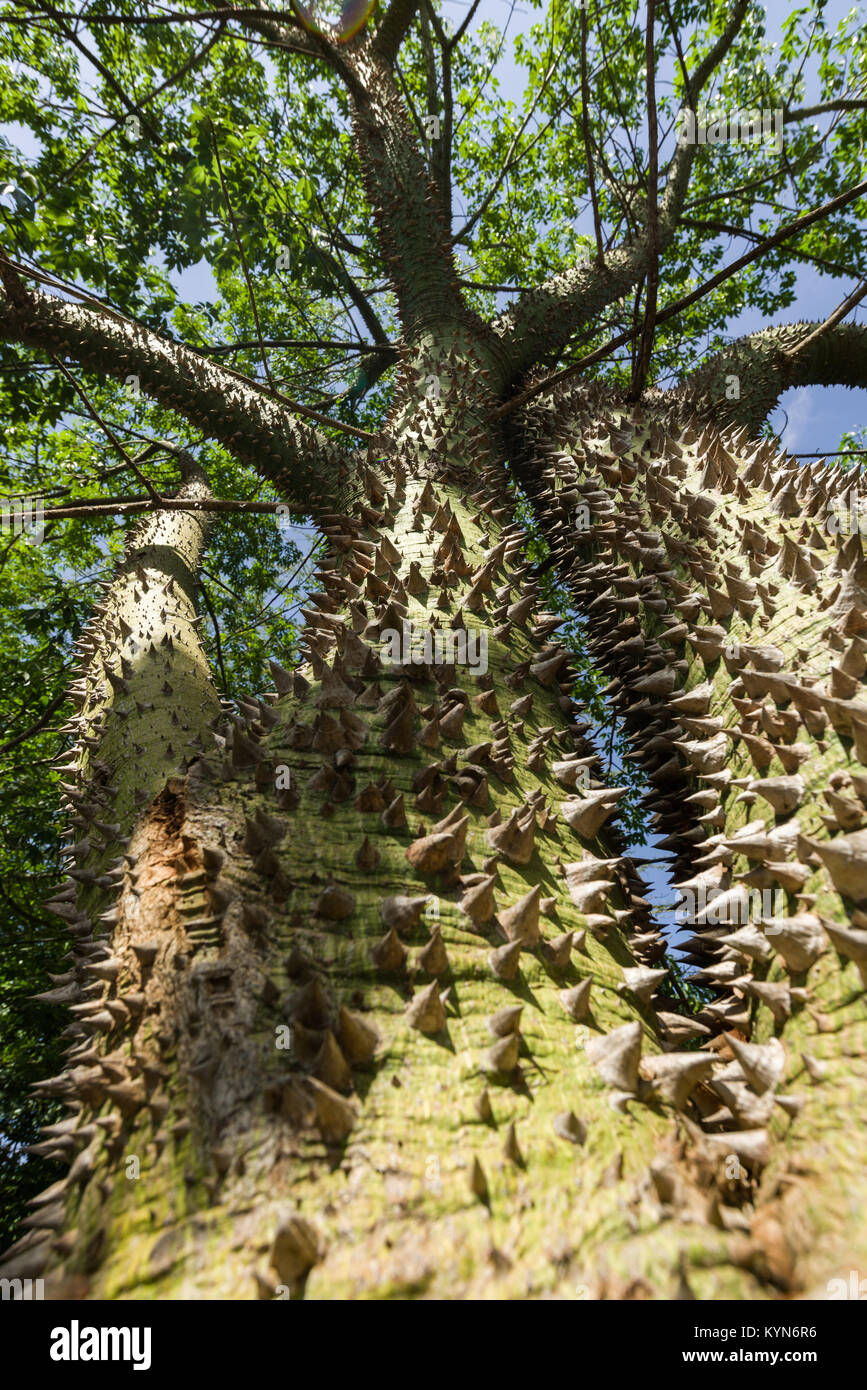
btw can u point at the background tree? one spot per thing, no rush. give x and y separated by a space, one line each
364 996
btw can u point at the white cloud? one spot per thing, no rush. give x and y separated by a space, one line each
801 411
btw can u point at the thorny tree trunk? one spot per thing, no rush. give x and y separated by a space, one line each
286 1074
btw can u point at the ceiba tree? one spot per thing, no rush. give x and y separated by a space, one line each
362 998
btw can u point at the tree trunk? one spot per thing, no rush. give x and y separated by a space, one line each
728 599
369 1005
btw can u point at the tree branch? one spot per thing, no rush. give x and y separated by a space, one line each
187 66
441 149
307 467
413 237
168 17
805 113
513 155
677 306
394 28
218 646
349 284
414 240
88 507
216 349
94 414
109 78
588 153
465 24
832 320
761 366
726 229
295 39
227 200
334 264
38 726
543 319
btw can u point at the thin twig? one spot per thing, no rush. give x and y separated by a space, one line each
588 153
262 613
106 429
206 598
834 318
37 727
297 343
645 344
747 234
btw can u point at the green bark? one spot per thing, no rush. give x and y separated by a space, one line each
742 385
386 1152
710 566
215 1110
